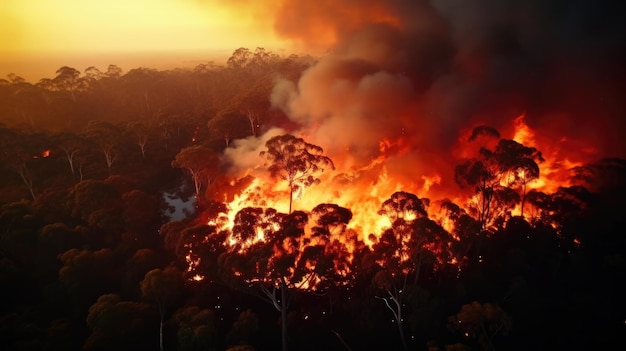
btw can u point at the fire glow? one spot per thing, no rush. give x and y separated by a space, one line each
394 104
363 190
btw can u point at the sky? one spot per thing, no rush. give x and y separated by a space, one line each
443 63
39 36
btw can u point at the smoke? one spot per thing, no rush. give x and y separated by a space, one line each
243 155
419 73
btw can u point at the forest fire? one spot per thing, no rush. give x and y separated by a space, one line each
363 190
401 175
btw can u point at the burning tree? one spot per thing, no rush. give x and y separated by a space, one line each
404 249
494 174
272 254
295 161
264 256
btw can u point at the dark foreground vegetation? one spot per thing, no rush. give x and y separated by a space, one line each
92 259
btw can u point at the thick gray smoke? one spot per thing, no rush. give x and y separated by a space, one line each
419 72
449 62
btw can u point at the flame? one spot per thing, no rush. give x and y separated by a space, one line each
363 187
44 154
555 170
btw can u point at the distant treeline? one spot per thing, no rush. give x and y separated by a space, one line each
71 99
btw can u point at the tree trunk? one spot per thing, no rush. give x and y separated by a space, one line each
283 314
290 195
400 329
523 199
28 181
161 312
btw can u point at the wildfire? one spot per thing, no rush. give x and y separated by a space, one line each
559 161
362 189
44 154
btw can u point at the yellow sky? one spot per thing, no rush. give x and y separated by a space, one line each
38 31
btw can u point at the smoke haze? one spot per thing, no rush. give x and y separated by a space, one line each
417 74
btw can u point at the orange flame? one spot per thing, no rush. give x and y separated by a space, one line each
364 188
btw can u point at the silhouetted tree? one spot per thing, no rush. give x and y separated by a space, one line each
492 173
117 324
244 328
403 249
67 79
483 322
196 329
295 161
271 252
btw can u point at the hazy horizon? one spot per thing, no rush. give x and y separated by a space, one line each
33 68
40 36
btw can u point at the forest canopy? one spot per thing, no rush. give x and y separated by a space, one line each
293 235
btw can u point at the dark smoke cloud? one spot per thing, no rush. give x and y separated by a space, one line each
421 71
486 59
549 58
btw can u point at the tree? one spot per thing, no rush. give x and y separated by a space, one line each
254 102
70 144
463 228
117 324
89 196
228 125
244 328
141 134
520 162
403 205
82 276
92 74
28 102
198 246
142 218
19 153
201 162
412 241
113 71
483 322
492 173
67 79
163 287
108 137
295 161
329 231
239 59
195 329
271 253
251 262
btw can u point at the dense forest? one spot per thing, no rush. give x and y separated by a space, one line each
97 256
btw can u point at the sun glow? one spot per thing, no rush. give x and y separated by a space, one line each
85 33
